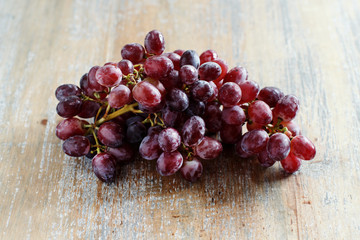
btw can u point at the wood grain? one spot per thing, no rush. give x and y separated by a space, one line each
308 48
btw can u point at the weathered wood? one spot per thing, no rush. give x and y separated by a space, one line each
308 48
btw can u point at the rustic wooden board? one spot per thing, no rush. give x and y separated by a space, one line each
308 48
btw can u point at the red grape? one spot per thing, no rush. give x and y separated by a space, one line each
191 170
119 96
70 127
259 112
111 134
224 69
254 141
188 74
89 109
149 147
76 146
169 140
292 127
126 66
193 131
133 52
208 148
104 167
278 146
122 154
179 52
202 91
237 75
108 76
270 95
146 94
190 57
208 56
233 115
230 94
230 134
287 107
209 71
175 58
177 100
69 107
154 42
250 90
169 163
291 163
303 148
66 90
158 66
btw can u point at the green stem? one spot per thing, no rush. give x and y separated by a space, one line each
125 109
96 141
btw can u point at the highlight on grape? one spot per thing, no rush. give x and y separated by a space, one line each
177 108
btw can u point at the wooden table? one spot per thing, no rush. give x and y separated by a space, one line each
308 48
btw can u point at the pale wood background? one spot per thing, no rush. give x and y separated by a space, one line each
308 48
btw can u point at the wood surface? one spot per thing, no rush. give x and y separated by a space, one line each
307 48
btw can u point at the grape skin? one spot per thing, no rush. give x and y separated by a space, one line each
208 56
76 146
193 131
260 113
154 42
233 115
278 146
133 52
70 127
254 141
169 163
237 75
209 71
169 140
111 134
191 170
104 167
303 148
119 96
287 108
230 94
190 57
69 107
146 94
158 66
208 148
265 160
66 90
291 163
149 147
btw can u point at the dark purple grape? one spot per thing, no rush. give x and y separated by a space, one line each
208 148
270 95
70 127
250 90
89 109
237 75
287 107
201 91
215 90
265 160
233 115
119 96
122 154
92 151
135 132
278 146
169 140
169 163
155 109
209 71
76 146
133 52
177 100
111 134
172 80
154 42
190 57
193 131
191 170
149 148
188 74
230 94
158 66
254 141
69 107
259 112
212 117
126 66
230 134
170 117
66 90
208 56
242 154
195 108
92 83
104 167
154 130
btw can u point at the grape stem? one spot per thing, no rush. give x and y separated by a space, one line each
96 141
125 109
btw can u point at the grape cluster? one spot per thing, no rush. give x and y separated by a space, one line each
177 108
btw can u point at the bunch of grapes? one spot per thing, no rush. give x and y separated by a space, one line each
177 108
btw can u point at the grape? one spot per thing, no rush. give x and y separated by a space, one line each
169 163
104 167
122 154
134 119
229 94
89 109
237 75
111 63
291 163
170 117
208 148
188 74
270 95
154 42
190 57
92 83
195 108
66 90
136 132
158 66
149 147
175 58
212 117
278 146
111 134
292 127
303 148
254 141
126 66
172 80
133 52
69 107
250 90
209 71
108 76
76 146
287 107
84 85
265 160
202 91
191 170
242 154
177 100
70 127
156 84
233 115
146 94
154 130
215 90
259 112
169 140
208 56
230 134
119 96
224 69
179 52
155 109
252 126
193 131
